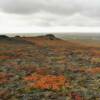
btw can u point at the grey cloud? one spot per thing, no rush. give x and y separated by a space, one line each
68 7
54 12
19 6
31 6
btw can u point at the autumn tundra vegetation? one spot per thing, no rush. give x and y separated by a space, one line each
48 68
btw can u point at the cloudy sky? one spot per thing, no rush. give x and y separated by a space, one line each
49 16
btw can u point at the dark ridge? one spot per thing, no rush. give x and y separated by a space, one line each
4 37
19 39
13 40
51 36
17 36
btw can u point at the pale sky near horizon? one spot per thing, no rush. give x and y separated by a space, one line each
23 16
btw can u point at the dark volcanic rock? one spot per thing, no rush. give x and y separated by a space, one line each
13 40
51 36
4 37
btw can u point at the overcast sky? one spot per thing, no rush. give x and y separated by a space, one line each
49 16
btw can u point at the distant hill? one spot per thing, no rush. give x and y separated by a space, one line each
12 40
55 40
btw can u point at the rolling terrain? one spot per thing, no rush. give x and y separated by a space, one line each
48 68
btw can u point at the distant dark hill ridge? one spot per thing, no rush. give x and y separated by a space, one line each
51 36
48 37
2 37
49 40
52 41
13 40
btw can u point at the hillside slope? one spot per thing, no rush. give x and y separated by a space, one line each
48 68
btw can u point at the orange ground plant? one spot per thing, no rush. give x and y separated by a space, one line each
47 81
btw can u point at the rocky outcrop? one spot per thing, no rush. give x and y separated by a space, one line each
3 37
51 36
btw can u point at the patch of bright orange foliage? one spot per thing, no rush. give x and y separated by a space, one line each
47 81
